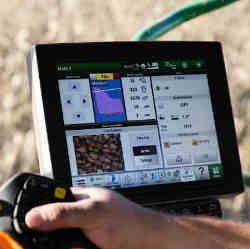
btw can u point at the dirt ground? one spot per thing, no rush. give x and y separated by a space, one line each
23 23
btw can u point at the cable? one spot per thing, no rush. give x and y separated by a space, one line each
178 17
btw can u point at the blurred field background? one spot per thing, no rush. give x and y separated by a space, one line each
23 23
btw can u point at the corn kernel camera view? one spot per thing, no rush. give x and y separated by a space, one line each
138 123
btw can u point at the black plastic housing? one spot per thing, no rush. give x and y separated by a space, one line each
48 55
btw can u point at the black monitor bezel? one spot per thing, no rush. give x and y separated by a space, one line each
48 55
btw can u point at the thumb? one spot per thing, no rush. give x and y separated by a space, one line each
61 215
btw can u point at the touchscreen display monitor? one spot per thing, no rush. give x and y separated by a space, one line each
132 124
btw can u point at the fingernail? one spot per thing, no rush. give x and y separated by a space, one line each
33 218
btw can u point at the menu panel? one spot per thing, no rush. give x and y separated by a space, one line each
139 124
138 98
76 101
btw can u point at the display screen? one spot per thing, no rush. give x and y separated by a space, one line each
139 123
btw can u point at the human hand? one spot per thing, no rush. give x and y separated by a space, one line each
108 219
112 222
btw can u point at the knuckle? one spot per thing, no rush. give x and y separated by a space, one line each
56 212
96 206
